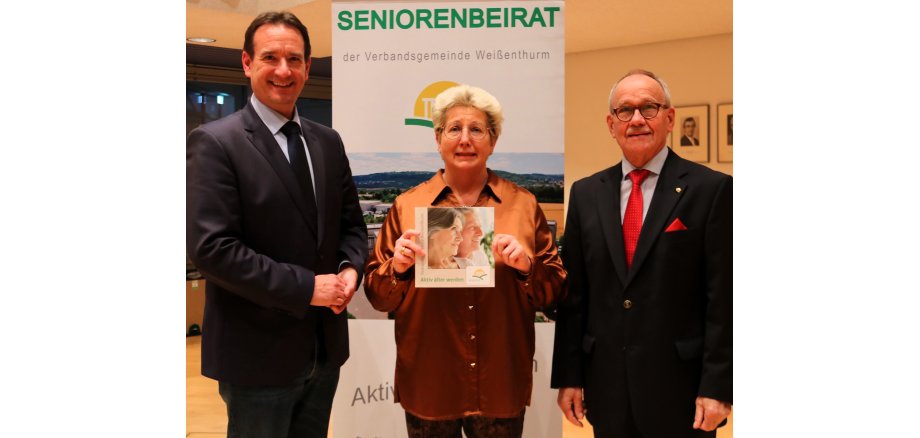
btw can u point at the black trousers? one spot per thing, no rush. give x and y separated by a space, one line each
298 410
474 426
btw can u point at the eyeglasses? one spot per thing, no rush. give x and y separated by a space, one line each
475 132
648 110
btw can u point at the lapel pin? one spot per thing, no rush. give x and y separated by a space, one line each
677 189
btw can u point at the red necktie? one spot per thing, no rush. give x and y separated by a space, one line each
632 220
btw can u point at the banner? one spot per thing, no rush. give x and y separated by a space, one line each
392 58
364 406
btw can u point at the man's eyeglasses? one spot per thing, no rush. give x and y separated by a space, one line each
475 132
647 110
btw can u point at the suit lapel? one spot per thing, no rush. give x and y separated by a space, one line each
608 209
663 202
265 143
317 158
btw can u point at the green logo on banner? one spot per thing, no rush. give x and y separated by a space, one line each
425 100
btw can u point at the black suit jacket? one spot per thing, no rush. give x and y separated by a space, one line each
689 141
673 340
249 236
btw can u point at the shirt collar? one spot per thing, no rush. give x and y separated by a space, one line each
654 165
271 118
436 189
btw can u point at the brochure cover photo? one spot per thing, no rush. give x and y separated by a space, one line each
457 243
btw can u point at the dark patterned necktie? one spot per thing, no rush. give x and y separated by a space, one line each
298 156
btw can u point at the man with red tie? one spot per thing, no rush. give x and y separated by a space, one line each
644 335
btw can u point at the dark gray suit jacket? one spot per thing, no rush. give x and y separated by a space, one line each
673 340
248 234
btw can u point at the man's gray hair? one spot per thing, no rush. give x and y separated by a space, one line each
639 71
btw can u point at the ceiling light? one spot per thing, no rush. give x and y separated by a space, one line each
200 40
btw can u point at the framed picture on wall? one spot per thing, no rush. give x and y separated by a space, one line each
725 126
690 137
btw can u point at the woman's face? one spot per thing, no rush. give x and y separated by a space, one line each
466 142
444 243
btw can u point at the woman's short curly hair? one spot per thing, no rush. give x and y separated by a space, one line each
468 96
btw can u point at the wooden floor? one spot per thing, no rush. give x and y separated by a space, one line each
206 416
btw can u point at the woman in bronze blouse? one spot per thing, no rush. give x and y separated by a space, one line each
464 355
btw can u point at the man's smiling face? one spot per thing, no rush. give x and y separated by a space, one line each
278 67
640 138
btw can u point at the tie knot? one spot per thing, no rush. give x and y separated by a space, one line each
290 128
638 175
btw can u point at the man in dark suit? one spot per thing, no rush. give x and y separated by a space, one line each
274 225
644 335
689 129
